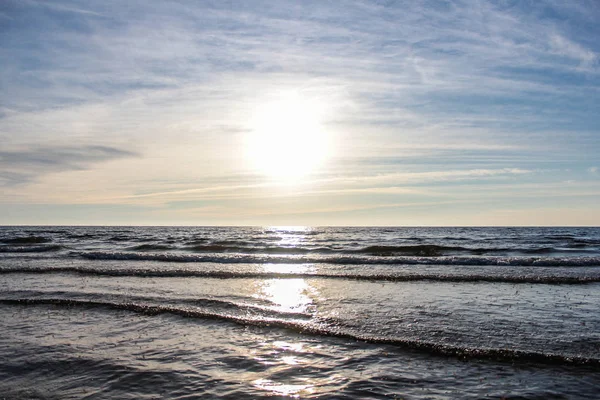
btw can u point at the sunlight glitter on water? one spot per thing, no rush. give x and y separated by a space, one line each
291 236
291 295
283 390
290 268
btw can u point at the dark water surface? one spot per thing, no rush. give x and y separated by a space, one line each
204 312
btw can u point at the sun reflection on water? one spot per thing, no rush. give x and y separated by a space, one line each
291 236
288 295
286 358
291 228
289 365
290 357
283 390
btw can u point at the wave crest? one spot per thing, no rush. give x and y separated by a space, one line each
348 259
30 249
26 240
308 328
181 273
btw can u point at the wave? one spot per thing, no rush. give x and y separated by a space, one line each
26 240
50 231
560 237
244 247
218 247
577 245
267 245
196 241
420 250
425 250
572 239
120 238
320 329
187 273
150 247
349 260
30 249
81 236
269 308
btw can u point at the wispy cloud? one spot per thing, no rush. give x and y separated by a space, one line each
60 7
568 48
24 165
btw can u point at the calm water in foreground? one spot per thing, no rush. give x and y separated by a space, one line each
415 313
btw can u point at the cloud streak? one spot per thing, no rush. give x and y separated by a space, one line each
28 164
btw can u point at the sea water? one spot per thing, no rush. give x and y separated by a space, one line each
248 312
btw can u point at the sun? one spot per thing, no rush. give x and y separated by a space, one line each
287 140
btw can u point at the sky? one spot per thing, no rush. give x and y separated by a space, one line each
370 112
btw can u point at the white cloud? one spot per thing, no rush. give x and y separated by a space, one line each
568 48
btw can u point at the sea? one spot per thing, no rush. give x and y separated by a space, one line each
299 312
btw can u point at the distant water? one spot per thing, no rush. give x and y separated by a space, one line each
206 312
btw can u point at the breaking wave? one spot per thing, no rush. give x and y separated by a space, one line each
319 329
175 273
30 249
341 259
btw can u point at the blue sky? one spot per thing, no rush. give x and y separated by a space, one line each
373 112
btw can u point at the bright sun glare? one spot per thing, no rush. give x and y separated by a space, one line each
287 140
